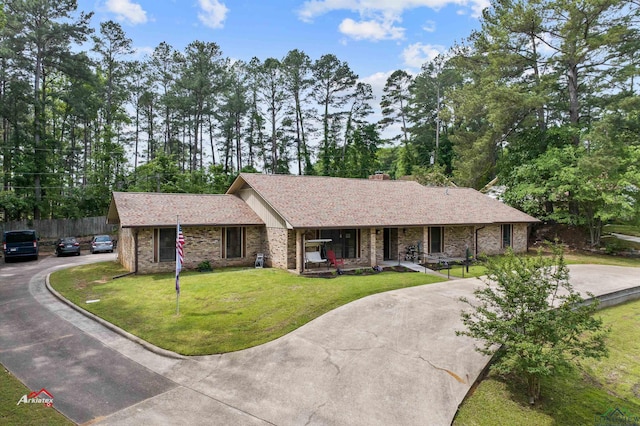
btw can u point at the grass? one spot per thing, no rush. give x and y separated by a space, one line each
600 259
220 311
622 229
11 390
460 271
478 269
573 397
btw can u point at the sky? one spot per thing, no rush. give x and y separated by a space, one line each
375 37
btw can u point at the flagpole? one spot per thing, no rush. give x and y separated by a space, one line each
178 264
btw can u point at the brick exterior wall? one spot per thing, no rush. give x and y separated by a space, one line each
279 245
490 239
409 237
126 245
276 243
457 239
202 243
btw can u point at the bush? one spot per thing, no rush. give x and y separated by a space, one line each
204 266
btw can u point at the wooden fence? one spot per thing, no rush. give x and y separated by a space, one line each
55 228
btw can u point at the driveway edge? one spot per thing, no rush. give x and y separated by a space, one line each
110 326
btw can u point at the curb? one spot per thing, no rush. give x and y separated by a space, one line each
118 330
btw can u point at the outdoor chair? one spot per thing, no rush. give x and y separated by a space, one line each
314 257
331 255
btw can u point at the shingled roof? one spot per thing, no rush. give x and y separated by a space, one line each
136 209
324 202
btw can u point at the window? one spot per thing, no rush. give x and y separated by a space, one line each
436 239
507 233
164 242
344 242
234 243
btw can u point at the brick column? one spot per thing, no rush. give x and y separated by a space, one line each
299 251
373 258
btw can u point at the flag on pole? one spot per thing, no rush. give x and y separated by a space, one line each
179 255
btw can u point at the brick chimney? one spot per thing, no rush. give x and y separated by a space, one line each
380 176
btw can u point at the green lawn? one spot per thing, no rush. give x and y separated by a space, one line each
478 269
11 390
622 229
220 311
570 398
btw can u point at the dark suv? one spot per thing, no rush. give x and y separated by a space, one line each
20 244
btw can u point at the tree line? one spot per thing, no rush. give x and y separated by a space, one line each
542 99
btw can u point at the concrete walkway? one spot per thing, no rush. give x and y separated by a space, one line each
626 237
388 359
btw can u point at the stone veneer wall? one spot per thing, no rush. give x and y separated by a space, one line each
457 239
277 250
201 243
379 249
490 239
520 237
126 247
409 237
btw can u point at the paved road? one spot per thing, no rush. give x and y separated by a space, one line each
388 359
87 379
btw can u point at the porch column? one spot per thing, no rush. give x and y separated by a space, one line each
373 258
425 240
299 251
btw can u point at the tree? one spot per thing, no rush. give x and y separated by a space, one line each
427 113
528 309
42 32
296 67
395 103
274 98
199 80
334 81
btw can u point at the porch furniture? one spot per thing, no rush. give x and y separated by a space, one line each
259 260
314 257
331 255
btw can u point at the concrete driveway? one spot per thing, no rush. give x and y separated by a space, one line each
387 359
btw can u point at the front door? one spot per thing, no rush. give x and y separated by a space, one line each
390 243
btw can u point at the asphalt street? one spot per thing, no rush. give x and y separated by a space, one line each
387 359
87 379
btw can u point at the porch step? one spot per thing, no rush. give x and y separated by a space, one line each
410 265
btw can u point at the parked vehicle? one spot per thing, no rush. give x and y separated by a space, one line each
101 243
20 244
67 246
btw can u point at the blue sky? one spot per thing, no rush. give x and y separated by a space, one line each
375 37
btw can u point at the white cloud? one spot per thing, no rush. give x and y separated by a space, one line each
371 30
429 26
417 54
313 8
127 11
213 13
142 51
377 82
